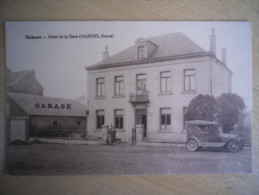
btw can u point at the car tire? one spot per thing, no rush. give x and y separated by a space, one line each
192 145
233 145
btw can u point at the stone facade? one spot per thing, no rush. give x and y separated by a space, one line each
56 126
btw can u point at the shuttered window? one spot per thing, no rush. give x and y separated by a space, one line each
118 119
165 118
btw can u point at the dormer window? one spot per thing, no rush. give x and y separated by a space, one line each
144 48
141 52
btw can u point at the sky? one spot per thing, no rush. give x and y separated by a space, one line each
60 63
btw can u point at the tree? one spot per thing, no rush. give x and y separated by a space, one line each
202 107
230 106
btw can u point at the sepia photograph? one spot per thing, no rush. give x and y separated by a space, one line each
128 97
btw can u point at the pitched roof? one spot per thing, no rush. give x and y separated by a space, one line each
27 103
173 44
13 78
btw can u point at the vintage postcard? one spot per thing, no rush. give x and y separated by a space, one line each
128 97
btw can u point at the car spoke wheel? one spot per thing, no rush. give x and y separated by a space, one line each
233 146
192 145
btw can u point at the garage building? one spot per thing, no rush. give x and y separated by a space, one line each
41 116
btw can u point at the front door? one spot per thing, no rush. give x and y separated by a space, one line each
141 118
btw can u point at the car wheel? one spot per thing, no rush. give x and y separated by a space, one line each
233 146
192 145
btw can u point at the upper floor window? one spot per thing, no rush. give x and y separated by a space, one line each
189 80
119 85
99 118
141 82
118 119
165 118
165 81
141 52
100 87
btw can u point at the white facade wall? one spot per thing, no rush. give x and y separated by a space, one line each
177 100
221 79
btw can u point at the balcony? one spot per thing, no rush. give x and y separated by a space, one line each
140 97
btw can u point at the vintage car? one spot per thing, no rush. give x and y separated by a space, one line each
209 134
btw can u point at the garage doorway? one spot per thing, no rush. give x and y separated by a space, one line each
17 130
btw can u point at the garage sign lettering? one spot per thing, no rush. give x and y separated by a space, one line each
53 106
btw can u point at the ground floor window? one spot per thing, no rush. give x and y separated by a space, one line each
165 118
99 118
118 119
184 117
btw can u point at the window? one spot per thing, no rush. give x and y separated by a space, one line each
78 122
55 122
189 80
100 87
165 118
184 118
118 119
165 82
99 118
141 52
119 86
141 82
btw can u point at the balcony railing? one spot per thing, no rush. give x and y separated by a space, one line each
139 97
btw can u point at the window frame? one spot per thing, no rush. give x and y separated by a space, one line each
141 80
141 50
184 112
168 126
97 119
121 120
189 80
102 87
168 79
121 86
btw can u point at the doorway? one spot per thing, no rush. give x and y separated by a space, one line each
141 118
18 130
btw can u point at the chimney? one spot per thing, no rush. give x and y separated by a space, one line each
213 48
224 56
105 53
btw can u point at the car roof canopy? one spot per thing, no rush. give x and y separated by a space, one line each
201 122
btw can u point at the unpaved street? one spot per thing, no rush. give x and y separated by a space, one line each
61 159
